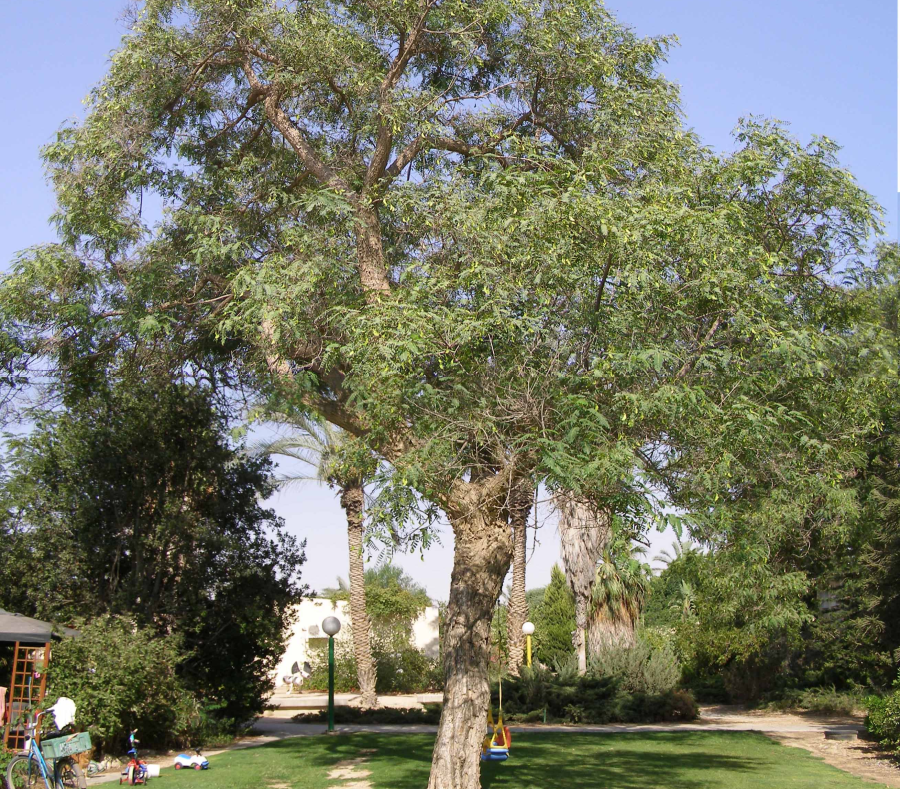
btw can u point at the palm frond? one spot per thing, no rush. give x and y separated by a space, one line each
313 444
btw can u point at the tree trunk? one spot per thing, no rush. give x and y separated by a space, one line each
579 637
583 535
352 498
604 632
519 508
482 555
370 254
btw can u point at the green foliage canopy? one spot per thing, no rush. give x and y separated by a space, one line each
393 600
568 284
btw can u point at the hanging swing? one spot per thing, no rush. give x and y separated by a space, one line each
495 747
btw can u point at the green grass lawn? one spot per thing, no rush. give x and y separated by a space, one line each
688 760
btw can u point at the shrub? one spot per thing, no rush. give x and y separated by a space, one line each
708 688
883 720
345 679
399 667
405 670
588 699
826 701
123 677
384 716
640 668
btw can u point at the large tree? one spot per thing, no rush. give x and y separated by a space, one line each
476 237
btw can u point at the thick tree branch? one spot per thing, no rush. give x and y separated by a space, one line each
689 364
252 100
341 95
405 156
385 138
295 138
422 143
258 53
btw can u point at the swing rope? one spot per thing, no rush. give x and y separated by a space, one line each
496 745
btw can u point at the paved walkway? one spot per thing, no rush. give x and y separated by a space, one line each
712 719
288 704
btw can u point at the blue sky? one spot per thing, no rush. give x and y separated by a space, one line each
827 67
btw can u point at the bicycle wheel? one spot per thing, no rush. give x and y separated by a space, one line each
24 772
68 775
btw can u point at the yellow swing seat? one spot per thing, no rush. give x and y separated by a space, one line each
495 747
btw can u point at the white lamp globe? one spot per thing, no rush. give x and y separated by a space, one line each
331 625
527 628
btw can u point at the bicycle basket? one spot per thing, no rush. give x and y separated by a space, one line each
60 747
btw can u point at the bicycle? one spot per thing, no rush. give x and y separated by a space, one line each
30 768
106 763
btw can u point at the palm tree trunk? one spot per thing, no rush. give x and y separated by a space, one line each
519 509
605 632
583 535
352 498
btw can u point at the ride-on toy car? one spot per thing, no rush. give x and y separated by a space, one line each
198 761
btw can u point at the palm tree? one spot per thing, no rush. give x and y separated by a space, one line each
686 604
584 533
519 508
620 588
679 548
393 599
318 447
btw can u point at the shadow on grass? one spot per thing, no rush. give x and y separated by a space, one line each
675 761
581 763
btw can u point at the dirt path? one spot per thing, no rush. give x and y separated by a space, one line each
352 771
858 757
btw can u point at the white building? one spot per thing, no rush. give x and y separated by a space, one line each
307 635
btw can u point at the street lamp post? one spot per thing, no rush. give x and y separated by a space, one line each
527 629
332 626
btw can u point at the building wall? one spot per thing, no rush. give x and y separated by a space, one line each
307 631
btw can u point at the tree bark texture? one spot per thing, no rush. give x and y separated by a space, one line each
370 254
519 509
352 498
583 534
482 555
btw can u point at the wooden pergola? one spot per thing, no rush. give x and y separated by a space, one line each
28 683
